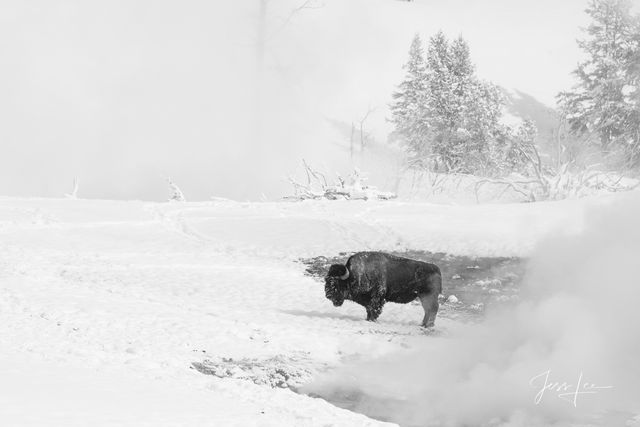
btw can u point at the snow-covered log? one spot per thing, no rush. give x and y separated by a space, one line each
176 193
317 187
74 193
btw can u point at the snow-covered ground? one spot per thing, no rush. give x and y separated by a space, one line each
104 305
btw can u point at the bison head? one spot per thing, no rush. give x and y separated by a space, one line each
335 284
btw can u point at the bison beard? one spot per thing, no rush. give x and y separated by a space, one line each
373 278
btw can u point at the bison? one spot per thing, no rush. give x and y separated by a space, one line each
373 278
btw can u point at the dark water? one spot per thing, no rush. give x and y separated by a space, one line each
477 282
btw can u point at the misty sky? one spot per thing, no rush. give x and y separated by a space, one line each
123 94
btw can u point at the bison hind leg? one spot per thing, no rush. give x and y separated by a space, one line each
428 294
429 299
430 305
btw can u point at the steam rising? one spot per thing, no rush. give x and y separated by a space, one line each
578 314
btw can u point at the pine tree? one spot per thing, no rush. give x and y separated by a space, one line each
409 101
632 92
440 84
444 106
464 111
447 117
461 68
605 99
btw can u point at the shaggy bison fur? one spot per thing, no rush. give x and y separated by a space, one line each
373 278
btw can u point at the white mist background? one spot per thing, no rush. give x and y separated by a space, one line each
579 313
122 94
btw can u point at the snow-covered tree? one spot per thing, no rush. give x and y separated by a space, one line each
409 102
444 106
606 99
483 103
456 115
461 66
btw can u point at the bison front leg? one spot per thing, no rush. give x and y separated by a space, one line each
374 308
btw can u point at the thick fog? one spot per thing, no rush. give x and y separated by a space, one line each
578 323
123 94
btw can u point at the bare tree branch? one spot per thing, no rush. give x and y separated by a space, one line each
364 137
308 4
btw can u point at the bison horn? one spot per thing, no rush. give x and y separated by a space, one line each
345 276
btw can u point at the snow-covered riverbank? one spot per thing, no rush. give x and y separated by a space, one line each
105 305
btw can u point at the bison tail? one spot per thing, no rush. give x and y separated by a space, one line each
436 281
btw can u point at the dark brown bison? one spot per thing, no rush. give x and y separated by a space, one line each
373 278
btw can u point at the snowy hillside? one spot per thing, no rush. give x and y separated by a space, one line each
105 305
520 105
